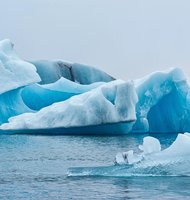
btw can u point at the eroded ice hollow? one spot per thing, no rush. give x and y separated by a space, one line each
72 98
164 103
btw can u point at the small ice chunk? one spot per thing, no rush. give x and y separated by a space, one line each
127 158
150 145
120 158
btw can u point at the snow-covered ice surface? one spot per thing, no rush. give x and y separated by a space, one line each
152 161
110 103
14 72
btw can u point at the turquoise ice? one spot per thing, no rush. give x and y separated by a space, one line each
70 98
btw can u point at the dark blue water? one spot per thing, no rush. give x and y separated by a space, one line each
35 167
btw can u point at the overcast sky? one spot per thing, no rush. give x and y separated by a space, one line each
126 38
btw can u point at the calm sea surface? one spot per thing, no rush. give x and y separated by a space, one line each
35 167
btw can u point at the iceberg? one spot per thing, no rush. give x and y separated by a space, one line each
112 102
56 88
75 98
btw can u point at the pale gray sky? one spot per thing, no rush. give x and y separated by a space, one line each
126 38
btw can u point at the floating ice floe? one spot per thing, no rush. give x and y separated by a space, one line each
151 151
151 161
150 145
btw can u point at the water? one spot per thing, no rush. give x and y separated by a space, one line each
35 167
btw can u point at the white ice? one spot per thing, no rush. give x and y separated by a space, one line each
110 103
152 154
14 72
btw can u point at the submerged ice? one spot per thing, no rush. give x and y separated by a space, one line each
152 154
149 160
58 94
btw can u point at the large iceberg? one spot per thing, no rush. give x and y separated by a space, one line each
70 98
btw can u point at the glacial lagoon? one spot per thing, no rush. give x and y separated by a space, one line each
36 167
